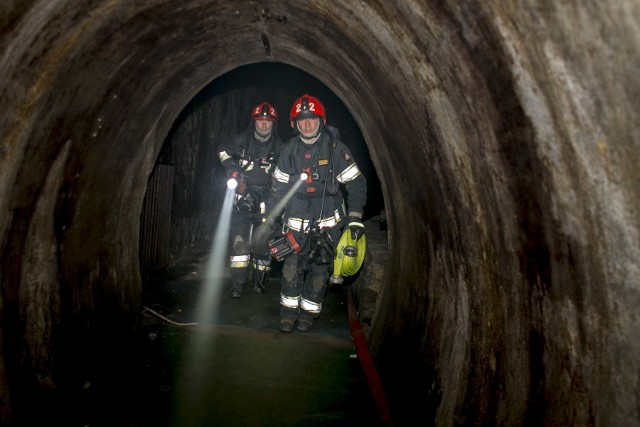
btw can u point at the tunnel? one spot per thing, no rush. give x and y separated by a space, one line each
503 137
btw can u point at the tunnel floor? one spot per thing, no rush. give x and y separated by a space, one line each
248 374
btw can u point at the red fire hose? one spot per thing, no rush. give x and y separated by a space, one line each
369 368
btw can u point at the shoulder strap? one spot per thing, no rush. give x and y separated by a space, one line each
293 153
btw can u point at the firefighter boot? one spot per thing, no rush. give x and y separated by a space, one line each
286 325
261 268
236 289
305 323
260 282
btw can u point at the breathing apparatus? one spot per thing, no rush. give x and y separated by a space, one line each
247 200
320 247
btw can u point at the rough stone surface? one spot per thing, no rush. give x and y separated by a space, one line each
506 141
367 284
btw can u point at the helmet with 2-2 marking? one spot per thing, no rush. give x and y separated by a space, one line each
264 111
307 106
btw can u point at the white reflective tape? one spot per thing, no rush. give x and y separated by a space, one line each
260 261
299 224
349 174
261 264
239 261
296 223
310 306
239 264
289 302
263 207
281 176
243 164
223 156
328 222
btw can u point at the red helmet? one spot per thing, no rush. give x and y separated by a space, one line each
307 106
264 111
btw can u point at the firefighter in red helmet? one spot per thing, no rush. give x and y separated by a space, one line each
316 213
250 157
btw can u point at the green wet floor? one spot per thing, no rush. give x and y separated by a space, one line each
238 369
270 379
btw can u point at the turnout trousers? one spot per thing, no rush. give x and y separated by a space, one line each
249 259
304 281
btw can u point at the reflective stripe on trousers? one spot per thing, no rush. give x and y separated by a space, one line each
289 302
239 261
310 306
261 264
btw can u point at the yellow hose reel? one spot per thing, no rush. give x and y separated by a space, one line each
349 257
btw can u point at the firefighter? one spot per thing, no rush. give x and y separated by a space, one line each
250 157
316 213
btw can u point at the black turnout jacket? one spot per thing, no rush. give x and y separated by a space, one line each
256 158
332 172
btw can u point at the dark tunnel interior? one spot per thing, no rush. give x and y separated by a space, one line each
280 84
220 110
499 138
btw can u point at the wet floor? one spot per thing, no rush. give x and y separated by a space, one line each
236 368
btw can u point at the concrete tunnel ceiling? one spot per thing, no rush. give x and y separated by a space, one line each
505 136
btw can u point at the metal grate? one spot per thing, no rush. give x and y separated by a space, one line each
155 221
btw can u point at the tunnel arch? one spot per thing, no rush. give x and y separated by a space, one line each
223 115
512 276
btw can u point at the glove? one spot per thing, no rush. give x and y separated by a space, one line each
356 227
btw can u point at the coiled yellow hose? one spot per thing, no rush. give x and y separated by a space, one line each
349 254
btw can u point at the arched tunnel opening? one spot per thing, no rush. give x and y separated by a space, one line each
504 137
219 111
177 230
